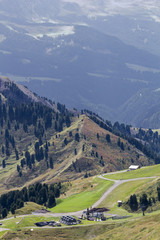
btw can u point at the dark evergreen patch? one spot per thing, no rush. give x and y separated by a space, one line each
42 194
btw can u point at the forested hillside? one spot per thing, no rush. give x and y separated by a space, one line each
43 141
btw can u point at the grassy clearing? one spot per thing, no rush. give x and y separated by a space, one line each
83 199
28 208
11 223
137 227
122 193
50 234
143 172
86 232
28 221
145 228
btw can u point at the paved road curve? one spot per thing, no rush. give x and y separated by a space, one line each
103 197
115 185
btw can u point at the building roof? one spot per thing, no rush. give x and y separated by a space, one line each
92 210
134 167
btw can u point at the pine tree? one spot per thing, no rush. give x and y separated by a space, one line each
18 168
51 162
119 142
158 192
41 153
75 151
98 136
51 201
68 121
3 164
17 155
77 138
144 200
65 141
70 134
4 213
133 203
3 150
108 139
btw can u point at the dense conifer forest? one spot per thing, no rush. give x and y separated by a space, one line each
42 194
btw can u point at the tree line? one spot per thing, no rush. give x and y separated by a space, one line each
144 201
15 118
42 194
123 131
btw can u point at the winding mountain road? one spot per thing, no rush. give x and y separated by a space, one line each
103 197
96 204
115 185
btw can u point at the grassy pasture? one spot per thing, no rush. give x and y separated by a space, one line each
28 208
86 232
143 172
84 199
144 228
27 221
122 193
81 194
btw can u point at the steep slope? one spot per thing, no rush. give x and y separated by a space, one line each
145 101
73 159
15 93
40 144
152 192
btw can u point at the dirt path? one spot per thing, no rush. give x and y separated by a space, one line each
4 229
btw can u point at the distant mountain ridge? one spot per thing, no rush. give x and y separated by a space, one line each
16 93
84 69
89 54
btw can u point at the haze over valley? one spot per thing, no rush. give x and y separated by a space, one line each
95 55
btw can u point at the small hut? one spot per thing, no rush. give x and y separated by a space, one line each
134 167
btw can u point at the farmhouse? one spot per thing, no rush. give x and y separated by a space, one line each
95 214
134 167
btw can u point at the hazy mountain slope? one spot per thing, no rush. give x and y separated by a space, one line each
15 93
142 109
84 69
63 51
135 22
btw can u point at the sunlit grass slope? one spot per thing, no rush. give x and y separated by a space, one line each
150 171
144 228
122 193
84 199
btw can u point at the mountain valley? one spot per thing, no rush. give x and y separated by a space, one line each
95 57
